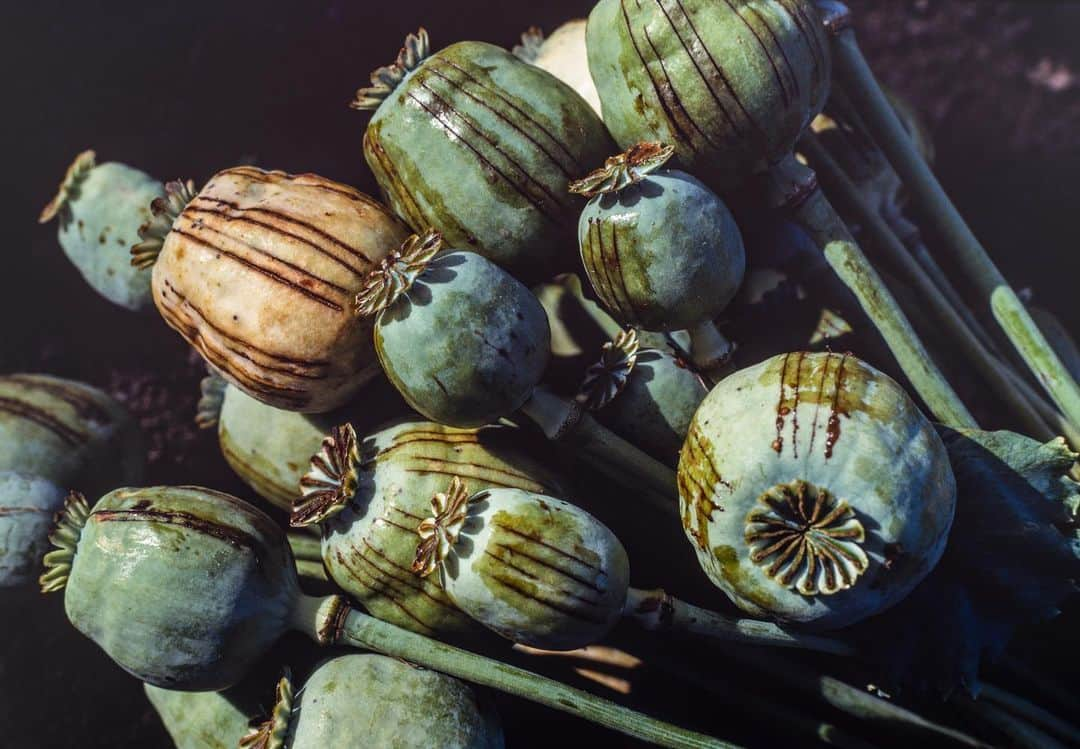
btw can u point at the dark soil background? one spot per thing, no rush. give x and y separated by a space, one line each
183 89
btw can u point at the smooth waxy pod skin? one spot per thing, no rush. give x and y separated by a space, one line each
370 544
270 449
258 273
730 84
361 700
563 55
101 207
486 341
27 506
200 720
536 570
662 254
68 433
814 491
646 396
183 587
480 145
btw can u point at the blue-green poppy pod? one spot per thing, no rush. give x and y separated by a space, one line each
463 341
730 85
474 142
661 249
814 491
100 208
371 700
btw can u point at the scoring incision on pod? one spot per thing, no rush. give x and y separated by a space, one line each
371 700
660 248
474 142
368 499
536 570
100 208
258 272
729 85
814 491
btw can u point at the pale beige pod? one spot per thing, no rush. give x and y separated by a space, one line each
259 271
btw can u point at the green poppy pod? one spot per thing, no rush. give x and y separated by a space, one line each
270 449
661 249
646 396
371 700
201 720
27 506
536 570
730 85
474 142
369 498
257 271
68 433
185 588
100 208
486 341
814 491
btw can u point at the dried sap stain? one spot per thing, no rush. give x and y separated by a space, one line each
827 380
699 484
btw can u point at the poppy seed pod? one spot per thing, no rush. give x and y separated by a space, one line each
474 142
536 570
27 506
67 432
270 449
185 588
563 55
100 208
661 249
369 498
646 396
730 85
257 271
814 491
372 700
200 720
486 337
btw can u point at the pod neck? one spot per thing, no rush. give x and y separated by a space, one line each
397 272
208 411
80 168
624 169
386 79
331 483
163 213
440 532
606 378
65 540
272 733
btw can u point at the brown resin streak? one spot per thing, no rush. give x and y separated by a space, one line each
781 409
42 418
232 536
833 430
84 404
820 398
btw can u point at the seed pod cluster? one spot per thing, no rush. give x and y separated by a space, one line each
369 497
258 271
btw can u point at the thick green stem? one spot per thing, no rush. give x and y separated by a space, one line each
1034 714
794 188
330 621
848 699
847 196
655 610
934 209
305 547
562 420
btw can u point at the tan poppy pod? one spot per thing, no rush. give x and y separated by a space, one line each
258 272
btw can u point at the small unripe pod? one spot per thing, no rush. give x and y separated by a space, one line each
101 207
536 570
370 499
730 84
258 272
476 143
270 449
646 396
183 587
201 720
27 506
486 337
814 491
371 700
67 432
